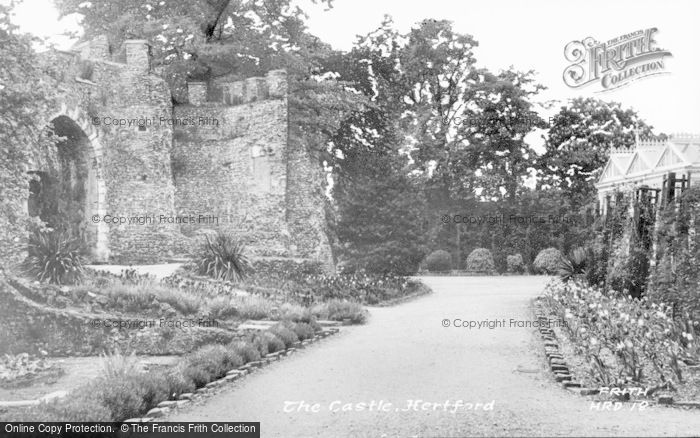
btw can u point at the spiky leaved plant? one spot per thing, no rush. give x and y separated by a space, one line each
223 258
575 264
54 257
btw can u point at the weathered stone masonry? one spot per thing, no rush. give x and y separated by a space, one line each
221 161
230 162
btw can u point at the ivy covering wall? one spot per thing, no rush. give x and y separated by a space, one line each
675 276
644 250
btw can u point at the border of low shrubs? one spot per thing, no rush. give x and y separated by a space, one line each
124 392
285 334
341 310
246 350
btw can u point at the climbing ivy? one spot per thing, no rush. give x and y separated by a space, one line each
675 278
25 93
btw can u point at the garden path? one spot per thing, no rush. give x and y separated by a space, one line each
404 353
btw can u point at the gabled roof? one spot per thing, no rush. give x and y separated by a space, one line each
670 157
652 157
643 160
617 166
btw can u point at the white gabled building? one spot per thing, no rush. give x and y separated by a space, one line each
662 166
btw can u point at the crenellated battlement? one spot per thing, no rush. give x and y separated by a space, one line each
135 54
94 49
271 86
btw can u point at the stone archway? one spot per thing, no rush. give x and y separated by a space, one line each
67 187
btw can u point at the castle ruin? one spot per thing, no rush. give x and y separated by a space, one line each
139 178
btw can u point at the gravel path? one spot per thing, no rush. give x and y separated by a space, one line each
404 353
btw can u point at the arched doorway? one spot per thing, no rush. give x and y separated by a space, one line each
65 191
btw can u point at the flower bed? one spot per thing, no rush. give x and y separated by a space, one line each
23 370
123 391
304 284
362 288
627 342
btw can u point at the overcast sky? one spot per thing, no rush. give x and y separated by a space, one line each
526 34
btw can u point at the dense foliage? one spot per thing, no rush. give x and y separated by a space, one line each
480 260
26 94
438 261
675 277
515 264
548 261
578 144
380 218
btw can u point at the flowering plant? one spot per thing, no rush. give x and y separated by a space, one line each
626 340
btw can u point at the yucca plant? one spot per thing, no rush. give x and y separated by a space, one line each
54 257
223 258
575 264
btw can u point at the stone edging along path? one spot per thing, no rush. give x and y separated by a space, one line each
564 375
166 407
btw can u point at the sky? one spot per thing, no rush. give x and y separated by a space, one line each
529 35
532 34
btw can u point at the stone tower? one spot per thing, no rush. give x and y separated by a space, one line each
146 177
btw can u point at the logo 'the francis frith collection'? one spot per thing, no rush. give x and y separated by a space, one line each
616 62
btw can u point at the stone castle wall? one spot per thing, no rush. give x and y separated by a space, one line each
160 174
130 162
306 213
230 161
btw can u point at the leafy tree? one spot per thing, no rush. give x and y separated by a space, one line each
206 39
499 117
462 127
380 216
579 142
422 77
25 94
415 83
